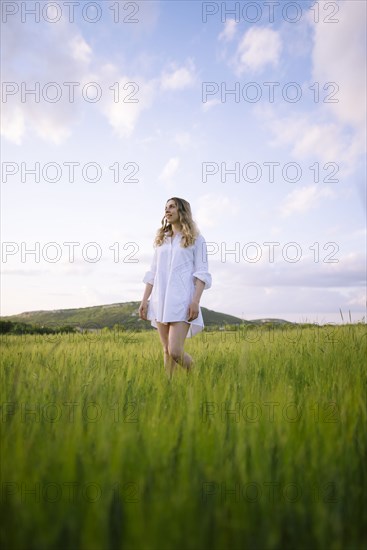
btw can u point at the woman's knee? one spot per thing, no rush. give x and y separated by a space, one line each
175 352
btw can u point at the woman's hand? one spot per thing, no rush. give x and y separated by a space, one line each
143 309
193 311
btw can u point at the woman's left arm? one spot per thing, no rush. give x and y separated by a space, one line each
201 271
199 288
201 275
194 306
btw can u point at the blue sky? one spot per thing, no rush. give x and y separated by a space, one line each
171 135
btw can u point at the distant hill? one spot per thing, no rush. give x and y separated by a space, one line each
125 314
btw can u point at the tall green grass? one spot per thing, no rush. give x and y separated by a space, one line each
262 445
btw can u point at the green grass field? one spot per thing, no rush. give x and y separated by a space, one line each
262 446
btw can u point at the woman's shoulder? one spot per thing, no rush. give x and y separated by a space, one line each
163 241
199 238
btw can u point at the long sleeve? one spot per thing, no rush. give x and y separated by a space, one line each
150 275
201 262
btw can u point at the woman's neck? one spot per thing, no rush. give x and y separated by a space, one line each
175 229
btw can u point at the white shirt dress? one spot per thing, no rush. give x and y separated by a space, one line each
172 275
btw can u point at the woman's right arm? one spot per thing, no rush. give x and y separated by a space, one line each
150 275
147 292
149 280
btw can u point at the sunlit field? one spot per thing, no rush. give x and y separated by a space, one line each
263 445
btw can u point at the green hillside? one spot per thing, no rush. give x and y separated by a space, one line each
125 314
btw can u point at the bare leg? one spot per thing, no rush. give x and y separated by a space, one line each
169 362
176 340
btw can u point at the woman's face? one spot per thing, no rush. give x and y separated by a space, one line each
171 212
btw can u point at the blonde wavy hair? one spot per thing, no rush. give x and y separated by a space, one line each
189 229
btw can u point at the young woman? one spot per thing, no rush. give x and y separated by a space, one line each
175 281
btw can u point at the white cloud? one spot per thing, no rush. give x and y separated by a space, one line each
339 56
183 139
358 300
229 31
329 132
347 272
178 78
305 198
65 58
310 136
212 209
152 138
358 233
332 132
169 170
13 124
209 104
80 50
47 129
123 115
258 48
